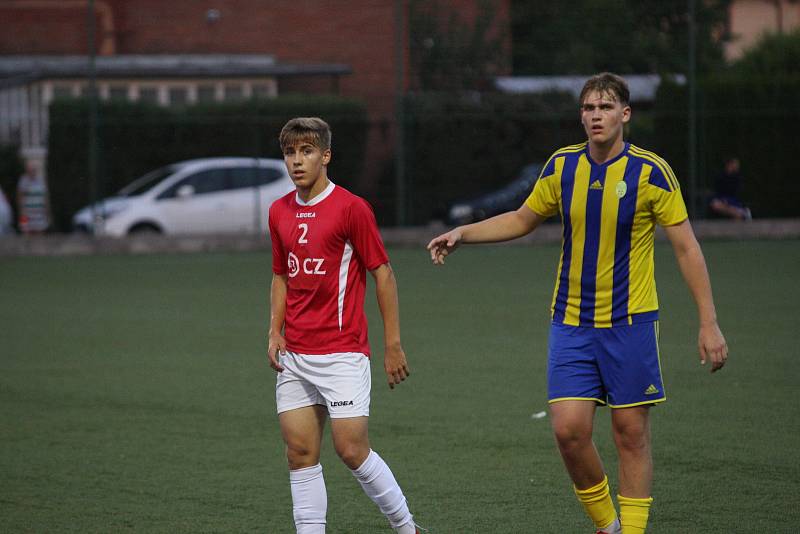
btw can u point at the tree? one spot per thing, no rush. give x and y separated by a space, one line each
623 36
774 55
447 53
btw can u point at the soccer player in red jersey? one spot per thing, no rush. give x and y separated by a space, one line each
324 240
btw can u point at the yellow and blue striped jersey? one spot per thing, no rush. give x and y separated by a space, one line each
606 275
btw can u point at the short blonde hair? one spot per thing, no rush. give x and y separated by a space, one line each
607 83
310 129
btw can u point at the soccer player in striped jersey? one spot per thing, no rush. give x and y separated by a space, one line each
324 239
603 346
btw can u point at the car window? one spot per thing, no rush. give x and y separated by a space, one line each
242 177
252 176
146 182
267 175
204 182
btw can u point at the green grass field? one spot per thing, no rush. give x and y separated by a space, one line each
136 398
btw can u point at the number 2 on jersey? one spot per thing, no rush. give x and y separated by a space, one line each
304 227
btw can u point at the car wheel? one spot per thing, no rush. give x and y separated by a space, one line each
144 229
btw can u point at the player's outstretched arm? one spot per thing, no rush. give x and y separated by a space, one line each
394 358
710 341
503 227
277 315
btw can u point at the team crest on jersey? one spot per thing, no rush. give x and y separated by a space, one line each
294 265
621 189
309 265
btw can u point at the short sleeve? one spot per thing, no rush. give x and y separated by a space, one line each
278 254
666 199
364 235
544 199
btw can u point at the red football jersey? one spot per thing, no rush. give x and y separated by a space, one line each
325 247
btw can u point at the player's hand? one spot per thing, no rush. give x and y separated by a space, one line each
276 347
712 346
395 364
443 245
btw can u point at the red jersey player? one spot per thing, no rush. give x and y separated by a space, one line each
324 239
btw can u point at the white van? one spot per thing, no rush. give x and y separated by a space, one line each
200 196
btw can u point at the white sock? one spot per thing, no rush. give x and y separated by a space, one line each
613 528
379 484
408 528
309 499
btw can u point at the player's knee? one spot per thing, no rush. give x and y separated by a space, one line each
631 438
300 455
570 435
352 453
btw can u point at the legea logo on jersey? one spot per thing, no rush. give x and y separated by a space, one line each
309 265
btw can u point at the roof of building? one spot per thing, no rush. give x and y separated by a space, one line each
161 66
642 86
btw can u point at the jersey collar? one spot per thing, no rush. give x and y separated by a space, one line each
317 199
609 162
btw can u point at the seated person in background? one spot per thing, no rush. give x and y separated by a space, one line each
725 200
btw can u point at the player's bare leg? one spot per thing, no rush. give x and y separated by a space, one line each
351 441
631 429
572 425
302 433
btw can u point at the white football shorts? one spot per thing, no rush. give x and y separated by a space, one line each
341 382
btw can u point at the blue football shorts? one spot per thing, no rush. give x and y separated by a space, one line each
618 366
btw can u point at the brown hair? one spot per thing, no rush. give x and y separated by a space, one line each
607 83
310 129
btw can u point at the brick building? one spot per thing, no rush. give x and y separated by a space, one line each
185 50
748 20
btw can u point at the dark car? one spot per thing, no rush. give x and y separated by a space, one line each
508 198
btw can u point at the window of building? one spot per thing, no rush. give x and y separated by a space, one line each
148 94
206 93
262 90
117 92
233 91
62 90
178 96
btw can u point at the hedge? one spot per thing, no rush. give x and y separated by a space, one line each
754 119
458 148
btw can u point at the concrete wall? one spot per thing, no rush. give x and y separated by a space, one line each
416 237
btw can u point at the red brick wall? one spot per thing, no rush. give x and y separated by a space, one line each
30 30
357 32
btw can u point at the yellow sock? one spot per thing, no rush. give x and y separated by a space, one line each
633 514
598 504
